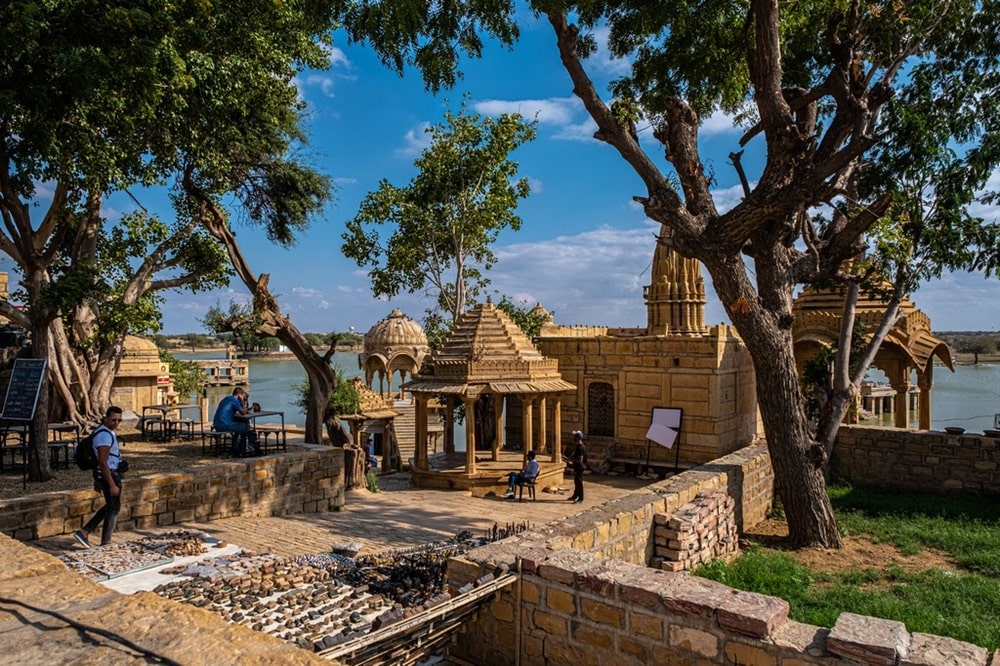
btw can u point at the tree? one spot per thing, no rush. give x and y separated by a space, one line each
445 220
104 98
982 344
816 85
187 376
529 318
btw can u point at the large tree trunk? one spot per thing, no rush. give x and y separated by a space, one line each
82 375
38 430
354 467
796 457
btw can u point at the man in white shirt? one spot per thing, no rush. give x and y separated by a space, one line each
107 479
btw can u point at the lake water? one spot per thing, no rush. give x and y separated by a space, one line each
273 383
967 398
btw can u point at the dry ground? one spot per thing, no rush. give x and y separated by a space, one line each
858 553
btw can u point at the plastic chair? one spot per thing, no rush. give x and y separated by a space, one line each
530 485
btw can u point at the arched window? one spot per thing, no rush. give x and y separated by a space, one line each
601 410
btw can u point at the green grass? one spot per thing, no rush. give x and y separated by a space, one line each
960 603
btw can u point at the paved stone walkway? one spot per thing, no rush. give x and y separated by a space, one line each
397 516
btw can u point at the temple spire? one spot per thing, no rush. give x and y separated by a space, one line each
675 299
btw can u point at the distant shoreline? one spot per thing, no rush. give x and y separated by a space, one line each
355 349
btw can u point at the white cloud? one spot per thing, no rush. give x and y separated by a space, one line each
536 185
565 115
719 123
321 81
594 277
728 198
603 61
415 140
552 111
989 212
337 58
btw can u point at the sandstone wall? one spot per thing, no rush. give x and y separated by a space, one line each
927 461
586 596
281 484
709 377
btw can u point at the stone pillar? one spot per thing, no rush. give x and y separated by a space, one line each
420 417
901 384
542 432
498 426
528 426
557 430
925 380
449 424
470 435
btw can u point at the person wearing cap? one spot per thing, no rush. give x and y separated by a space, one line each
579 460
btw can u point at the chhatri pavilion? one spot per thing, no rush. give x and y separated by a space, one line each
485 365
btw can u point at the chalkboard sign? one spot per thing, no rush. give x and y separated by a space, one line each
22 391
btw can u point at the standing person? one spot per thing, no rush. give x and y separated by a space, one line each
529 473
244 441
578 458
107 479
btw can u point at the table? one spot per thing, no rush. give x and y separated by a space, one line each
60 449
169 427
59 445
266 430
7 431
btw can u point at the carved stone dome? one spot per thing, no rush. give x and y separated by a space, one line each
396 344
396 330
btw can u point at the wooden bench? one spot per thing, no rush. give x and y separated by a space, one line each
630 465
218 440
265 431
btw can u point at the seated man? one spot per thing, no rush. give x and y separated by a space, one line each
528 474
370 460
244 440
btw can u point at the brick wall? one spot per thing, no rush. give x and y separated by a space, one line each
281 484
586 597
698 533
927 461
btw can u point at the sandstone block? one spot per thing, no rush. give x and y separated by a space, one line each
869 639
752 614
694 640
928 650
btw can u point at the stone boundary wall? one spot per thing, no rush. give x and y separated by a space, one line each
700 532
576 609
927 461
281 484
586 597
623 527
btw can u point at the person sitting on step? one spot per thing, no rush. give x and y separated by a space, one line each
526 475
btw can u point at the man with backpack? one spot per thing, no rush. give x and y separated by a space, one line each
107 478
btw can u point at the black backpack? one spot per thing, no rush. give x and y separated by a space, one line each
84 453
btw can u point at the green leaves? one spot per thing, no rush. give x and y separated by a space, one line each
436 233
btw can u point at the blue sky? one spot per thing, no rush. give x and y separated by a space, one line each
584 249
